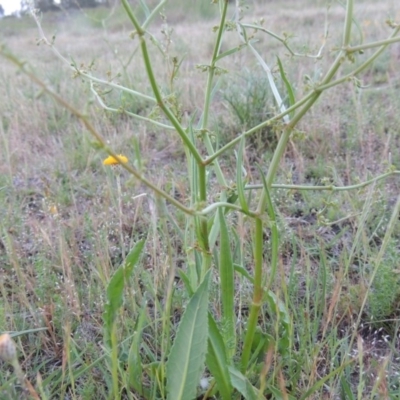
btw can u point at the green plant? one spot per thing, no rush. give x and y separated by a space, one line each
251 102
237 354
385 291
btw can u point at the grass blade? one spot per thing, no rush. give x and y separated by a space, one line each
135 370
227 288
116 286
285 332
243 271
289 88
230 52
321 382
145 8
186 282
274 232
239 179
217 361
243 385
186 360
346 390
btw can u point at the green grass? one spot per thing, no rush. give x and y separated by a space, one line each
65 228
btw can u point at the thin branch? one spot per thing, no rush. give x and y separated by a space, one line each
284 41
122 111
81 72
84 119
330 188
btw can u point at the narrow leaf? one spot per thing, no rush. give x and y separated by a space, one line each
271 81
186 281
230 52
243 385
243 271
186 359
214 232
274 232
217 361
346 390
285 334
279 307
239 179
278 394
134 370
145 7
288 85
227 287
116 285
321 382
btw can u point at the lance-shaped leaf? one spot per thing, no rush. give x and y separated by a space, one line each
217 361
227 288
243 385
289 88
115 288
186 360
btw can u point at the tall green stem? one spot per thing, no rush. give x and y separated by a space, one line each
283 141
207 97
348 22
279 151
318 89
257 294
258 248
114 363
150 74
206 256
204 243
211 68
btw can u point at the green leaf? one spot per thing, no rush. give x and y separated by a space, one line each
289 88
242 384
213 228
285 333
186 359
279 307
217 361
346 390
227 288
134 370
230 52
186 281
239 179
321 382
116 285
277 392
274 233
145 8
243 271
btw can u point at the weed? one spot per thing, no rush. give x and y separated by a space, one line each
251 102
276 280
384 296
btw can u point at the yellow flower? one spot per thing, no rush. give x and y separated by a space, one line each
53 209
110 160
